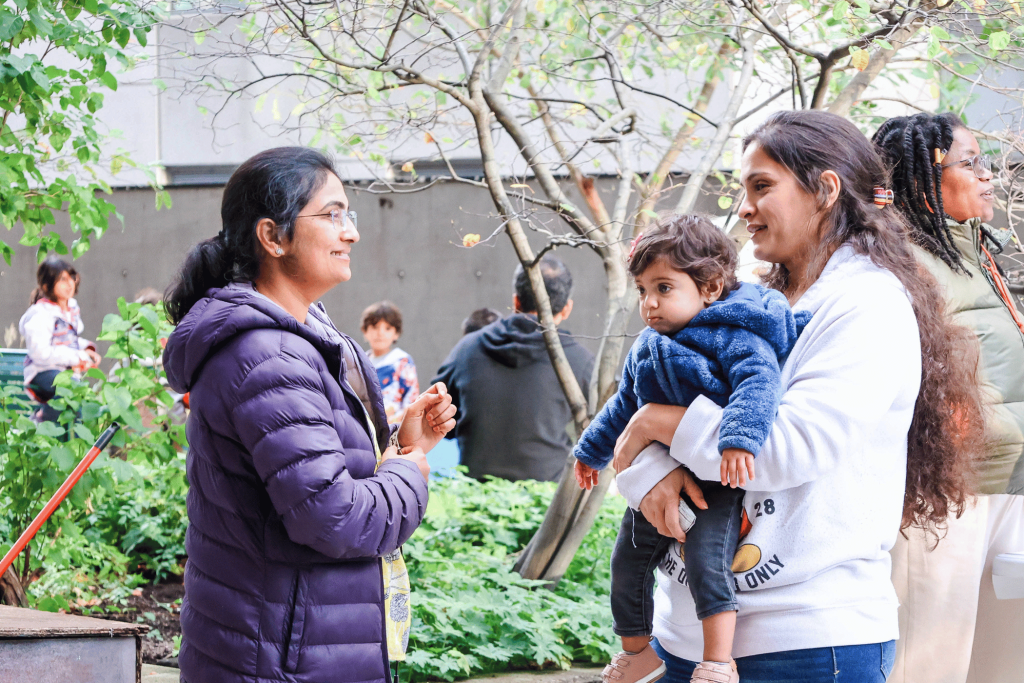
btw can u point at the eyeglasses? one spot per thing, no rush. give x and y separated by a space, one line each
980 164
337 218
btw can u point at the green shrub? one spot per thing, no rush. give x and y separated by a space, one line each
36 458
145 518
124 526
129 537
472 614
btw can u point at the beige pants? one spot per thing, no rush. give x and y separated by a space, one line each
952 627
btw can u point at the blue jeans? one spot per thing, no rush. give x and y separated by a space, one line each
847 664
709 549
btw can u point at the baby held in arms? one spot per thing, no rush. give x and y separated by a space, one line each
706 334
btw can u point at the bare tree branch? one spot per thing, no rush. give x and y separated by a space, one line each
577 220
696 180
656 179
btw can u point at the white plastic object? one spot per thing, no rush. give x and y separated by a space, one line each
686 517
1008 576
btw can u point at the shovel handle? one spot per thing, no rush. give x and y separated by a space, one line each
59 496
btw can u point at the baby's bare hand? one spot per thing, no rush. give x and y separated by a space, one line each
586 476
737 467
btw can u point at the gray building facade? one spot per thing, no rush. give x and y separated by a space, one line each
410 251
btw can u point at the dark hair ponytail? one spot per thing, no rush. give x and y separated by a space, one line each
274 184
205 267
947 433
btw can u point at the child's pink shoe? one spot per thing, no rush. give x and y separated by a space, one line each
643 667
712 672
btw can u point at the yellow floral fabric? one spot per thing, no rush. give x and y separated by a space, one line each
397 591
397 608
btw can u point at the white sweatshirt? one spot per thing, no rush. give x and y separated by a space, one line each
827 500
51 336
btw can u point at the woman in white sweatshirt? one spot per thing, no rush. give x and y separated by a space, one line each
50 328
872 435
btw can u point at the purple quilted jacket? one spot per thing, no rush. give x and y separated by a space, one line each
287 518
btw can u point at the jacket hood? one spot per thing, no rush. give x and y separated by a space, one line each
226 313
757 309
518 340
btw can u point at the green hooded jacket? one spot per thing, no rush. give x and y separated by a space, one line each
975 303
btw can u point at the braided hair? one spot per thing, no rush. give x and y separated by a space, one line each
908 144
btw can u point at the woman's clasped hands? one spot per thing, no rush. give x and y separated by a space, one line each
426 422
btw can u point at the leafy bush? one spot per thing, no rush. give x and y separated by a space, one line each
100 529
124 526
472 614
145 518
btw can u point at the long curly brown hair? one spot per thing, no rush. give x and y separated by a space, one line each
946 436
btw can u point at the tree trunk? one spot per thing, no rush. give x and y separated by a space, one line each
569 517
11 592
572 511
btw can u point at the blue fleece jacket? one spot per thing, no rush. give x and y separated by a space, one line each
730 352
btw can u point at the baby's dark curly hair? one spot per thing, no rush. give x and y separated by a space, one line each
690 244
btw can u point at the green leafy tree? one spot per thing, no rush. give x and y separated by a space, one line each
55 61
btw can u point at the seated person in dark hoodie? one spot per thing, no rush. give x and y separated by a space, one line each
513 414
706 334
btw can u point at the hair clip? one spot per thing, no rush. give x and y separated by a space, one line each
939 155
632 245
883 197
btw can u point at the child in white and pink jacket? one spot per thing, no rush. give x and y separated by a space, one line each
51 328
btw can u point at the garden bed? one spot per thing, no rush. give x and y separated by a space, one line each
472 614
155 606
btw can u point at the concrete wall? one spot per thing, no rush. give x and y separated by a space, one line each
410 252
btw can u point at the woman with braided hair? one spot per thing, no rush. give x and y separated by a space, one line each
951 625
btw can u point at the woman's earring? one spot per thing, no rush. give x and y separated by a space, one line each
279 251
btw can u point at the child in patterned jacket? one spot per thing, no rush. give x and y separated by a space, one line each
382 326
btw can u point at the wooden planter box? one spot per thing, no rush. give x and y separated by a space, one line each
43 647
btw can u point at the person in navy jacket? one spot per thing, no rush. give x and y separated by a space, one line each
706 335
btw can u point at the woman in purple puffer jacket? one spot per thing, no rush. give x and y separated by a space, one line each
290 507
